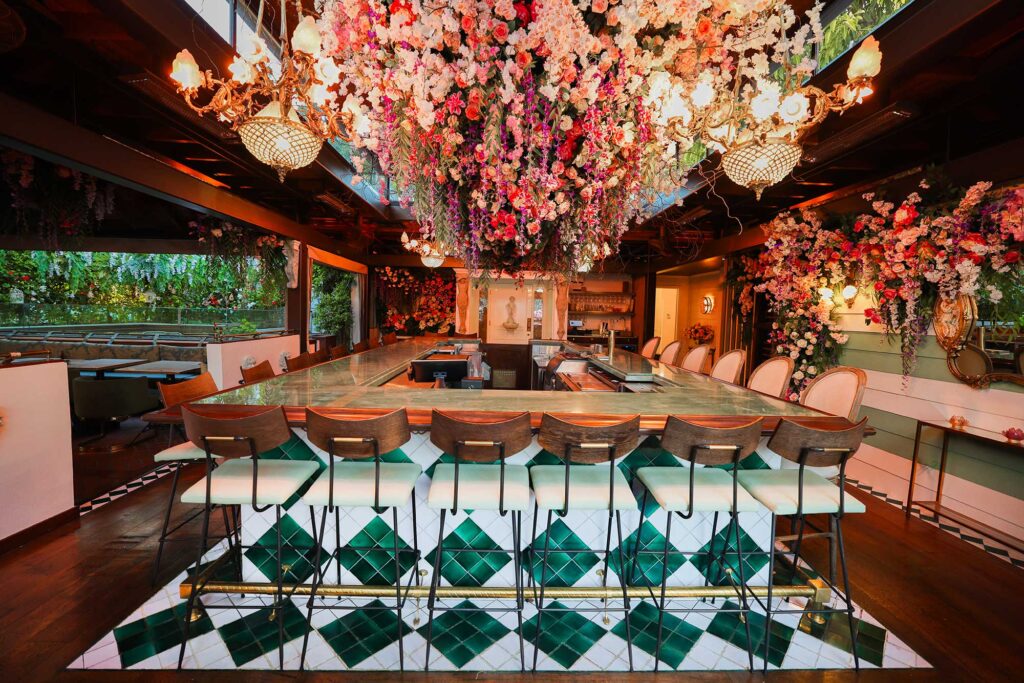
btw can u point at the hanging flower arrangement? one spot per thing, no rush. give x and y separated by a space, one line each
529 135
51 201
905 254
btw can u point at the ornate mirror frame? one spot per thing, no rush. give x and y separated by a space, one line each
954 320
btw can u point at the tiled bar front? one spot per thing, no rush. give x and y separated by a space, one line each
476 640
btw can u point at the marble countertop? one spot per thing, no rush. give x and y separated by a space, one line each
354 382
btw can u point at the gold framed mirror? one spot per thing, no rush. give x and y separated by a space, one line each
978 352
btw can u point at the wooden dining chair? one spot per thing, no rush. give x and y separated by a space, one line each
390 338
671 353
258 373
729 368
839 391
299 362
650 347
339 351
359 347
772 376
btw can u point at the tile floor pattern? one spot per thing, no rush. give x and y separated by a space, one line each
991 546
237 633
123 490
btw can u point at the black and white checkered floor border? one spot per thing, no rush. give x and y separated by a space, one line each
963 534
123 490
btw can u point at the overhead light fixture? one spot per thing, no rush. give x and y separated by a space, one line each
430 255
264 108
757 124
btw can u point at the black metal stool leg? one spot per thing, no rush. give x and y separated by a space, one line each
337 540
743 588
625 591
279 596
434 581
846 591
771 584
318 577
533 551
167 522
664 581
802 521
398 590
637 545
192 596
543 581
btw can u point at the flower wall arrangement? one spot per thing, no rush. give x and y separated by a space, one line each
700 333
415 302
528 135
936 242
51 201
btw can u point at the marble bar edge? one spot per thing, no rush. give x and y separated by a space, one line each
354 387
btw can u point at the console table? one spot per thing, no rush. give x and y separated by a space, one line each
935 506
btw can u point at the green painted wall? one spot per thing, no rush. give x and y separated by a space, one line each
872 351
989 466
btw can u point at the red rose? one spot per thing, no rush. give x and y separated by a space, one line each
889 293
473 112
25 277
524 12
1011 257
879 286
500 32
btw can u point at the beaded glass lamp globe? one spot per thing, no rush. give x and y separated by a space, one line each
282 142
758 165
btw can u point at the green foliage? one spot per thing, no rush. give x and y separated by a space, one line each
61 282
852 24
332 301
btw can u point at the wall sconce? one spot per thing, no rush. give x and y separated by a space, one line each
849 294
707 304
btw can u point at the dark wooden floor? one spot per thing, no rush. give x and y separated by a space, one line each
97 472
955 605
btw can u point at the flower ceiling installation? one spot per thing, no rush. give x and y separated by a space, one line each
528 135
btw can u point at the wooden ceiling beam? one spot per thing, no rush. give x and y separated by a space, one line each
39 133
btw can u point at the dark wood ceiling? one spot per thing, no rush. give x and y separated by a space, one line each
949 86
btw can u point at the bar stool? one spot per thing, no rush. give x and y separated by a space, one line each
299 362
338 351
243 479
650 347
475 482
799 492
561 488
670 354
681 491
360 480
359 347
182 454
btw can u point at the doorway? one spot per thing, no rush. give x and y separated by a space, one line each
666 307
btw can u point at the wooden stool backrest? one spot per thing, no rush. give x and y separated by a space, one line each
339 436
650 347
299 362
483 441
816 447
338 351
238 437
359 347
704 445
586 443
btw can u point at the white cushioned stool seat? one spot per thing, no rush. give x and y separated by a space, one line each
588 488
277 481
354 484
182 451
779 491
712 489
479 487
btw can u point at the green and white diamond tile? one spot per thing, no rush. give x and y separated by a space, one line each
361 639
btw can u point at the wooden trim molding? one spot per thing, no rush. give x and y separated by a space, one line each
20 538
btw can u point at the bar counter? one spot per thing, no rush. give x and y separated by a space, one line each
356 385
472 639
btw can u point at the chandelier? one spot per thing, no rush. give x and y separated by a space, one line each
758 123
429 253
283 118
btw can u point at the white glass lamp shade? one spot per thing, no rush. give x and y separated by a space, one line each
866 61
185 71
432 260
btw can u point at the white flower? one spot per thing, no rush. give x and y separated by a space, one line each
798 375
811 370
793 109
794 354
802 343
